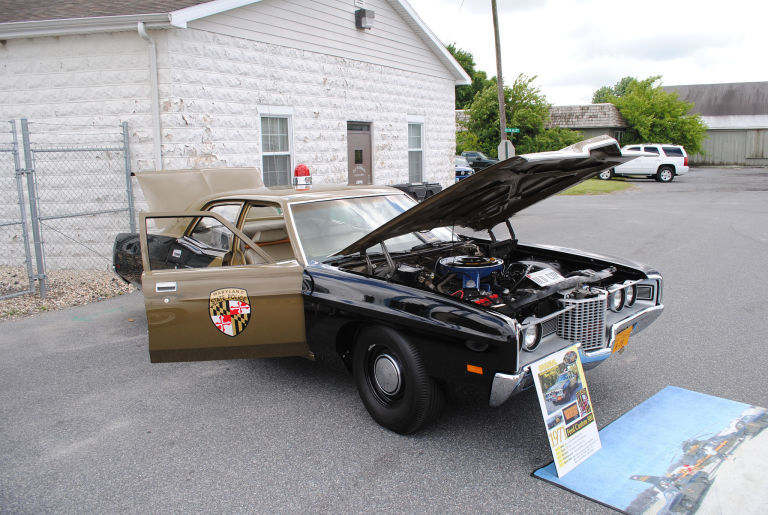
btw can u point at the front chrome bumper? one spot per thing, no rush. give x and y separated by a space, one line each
505 386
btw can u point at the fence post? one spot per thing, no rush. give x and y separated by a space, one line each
128 182
33 213
22 207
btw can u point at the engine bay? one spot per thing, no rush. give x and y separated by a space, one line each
495 275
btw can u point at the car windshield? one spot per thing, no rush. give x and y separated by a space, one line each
328 226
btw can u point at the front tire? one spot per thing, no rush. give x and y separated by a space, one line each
605 174
665 174
393 382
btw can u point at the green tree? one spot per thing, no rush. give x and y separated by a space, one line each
554 139
653 115
527 109
465 94
466 140
604 94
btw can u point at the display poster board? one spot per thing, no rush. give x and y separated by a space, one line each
567 408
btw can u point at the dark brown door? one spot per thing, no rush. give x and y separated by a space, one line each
359 153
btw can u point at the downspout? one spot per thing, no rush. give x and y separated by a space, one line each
154 95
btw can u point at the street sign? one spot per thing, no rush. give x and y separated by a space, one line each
506 149
513 130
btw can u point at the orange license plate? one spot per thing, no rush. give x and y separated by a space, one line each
622 339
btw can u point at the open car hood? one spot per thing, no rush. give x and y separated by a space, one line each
494 194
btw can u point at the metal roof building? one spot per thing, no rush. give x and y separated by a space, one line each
736 115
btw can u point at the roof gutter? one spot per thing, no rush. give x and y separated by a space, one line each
65 27
154 95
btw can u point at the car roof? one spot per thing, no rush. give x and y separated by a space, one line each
289 194
653 144
190 189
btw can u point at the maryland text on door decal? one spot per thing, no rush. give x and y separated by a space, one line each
230 310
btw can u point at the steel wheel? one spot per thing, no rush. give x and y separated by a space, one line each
665 174
393 382
605 174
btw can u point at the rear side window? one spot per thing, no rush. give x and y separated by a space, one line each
633 148
673 151
652 150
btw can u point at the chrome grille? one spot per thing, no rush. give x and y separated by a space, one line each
585 323
549 327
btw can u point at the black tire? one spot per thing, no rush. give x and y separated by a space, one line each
665 174
605 174
393 382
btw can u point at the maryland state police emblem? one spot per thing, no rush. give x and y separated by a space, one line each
230 310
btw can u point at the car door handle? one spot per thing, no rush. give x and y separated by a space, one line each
165 287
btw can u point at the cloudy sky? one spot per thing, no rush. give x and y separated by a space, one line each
576 46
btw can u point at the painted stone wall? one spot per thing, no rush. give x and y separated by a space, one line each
213 88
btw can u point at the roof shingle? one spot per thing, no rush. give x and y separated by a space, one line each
586 116
38 10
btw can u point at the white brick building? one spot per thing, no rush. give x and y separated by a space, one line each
269 83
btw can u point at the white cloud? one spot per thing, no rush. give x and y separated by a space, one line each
575 47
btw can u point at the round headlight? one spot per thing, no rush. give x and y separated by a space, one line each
531 337
616 300
630 294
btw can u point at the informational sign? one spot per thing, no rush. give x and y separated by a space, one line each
545 277
567 408
512 130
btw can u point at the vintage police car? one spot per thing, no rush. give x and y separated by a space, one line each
365 275
561 391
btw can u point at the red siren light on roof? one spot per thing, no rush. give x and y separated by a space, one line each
302 179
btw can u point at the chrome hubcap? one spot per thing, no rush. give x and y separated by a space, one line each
386 373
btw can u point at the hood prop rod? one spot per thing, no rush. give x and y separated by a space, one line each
510 229
390 261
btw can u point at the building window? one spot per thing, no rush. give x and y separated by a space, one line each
618 135
415 152
276 150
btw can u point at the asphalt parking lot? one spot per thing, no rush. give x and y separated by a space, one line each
87 424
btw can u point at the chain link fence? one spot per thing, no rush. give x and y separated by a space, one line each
83 192
78 196
16 277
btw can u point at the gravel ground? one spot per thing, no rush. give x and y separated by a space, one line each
66 288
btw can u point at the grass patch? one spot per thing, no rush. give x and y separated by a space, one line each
597 187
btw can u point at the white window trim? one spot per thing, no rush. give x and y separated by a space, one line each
420 120
277 112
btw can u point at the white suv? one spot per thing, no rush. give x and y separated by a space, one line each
666 162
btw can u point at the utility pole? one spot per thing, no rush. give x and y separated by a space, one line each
499 80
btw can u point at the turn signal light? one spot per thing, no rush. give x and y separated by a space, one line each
473 369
